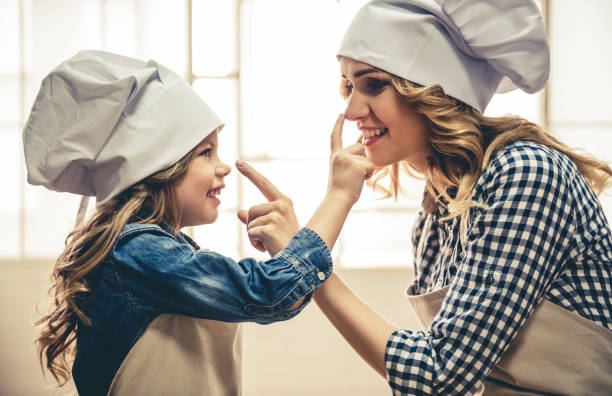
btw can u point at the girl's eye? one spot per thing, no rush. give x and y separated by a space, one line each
206 153
374 85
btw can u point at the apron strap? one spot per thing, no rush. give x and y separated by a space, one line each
82 210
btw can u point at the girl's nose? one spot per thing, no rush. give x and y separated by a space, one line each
356 108
223 169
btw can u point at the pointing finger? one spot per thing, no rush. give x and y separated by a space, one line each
336 135
264 185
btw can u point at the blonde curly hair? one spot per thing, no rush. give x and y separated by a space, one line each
463 141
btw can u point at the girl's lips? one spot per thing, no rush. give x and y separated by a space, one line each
212 194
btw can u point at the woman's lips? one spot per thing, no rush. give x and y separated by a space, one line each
372 135
369 141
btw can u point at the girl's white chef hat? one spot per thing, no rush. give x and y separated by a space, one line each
102 122
466 46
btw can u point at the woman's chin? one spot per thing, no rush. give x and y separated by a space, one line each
378 161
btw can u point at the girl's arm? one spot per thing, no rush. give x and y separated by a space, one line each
271 225
365 330
159 271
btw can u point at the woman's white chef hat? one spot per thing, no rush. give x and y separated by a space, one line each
102 122
466 46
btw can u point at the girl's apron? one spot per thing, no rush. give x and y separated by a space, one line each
179 355
555 352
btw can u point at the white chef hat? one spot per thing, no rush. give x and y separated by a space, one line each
102 122
466 46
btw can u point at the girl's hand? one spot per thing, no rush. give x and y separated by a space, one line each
270 225
348 168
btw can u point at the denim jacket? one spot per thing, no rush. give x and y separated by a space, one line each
150 272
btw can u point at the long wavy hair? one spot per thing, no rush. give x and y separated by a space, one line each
152 200
463 141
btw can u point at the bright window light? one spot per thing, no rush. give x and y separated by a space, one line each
278 96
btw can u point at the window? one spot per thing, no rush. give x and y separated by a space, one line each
34 221
268 67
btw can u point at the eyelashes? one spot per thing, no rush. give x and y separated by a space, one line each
206 152
375 85
346 88
369 86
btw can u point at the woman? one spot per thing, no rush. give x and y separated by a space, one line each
512 249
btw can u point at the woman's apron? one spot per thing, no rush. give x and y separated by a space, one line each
180 355
555 352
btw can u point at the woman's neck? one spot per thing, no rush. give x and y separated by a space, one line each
436 178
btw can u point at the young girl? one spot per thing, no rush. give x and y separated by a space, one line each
513 253
137 304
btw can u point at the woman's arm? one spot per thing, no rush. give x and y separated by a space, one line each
365 330
271 225
511 258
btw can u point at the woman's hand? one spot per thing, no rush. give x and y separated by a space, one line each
270 225
348 168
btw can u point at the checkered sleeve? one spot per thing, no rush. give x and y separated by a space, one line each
515 248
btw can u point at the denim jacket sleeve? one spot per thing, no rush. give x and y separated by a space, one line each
157 268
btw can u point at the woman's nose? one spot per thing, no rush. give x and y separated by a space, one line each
356 108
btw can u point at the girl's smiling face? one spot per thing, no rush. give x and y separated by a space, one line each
391 130
197 191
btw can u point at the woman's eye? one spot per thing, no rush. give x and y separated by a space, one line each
375 85
345 89
206 153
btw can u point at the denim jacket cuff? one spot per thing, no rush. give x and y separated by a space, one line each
314 259
309 255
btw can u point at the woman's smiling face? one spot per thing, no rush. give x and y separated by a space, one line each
391 130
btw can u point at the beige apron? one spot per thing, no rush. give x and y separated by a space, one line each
555 352
179 355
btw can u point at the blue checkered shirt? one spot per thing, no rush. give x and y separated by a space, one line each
543 234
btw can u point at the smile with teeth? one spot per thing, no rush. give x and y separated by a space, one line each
374 132
214 192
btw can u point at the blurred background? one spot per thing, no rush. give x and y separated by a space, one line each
268 68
